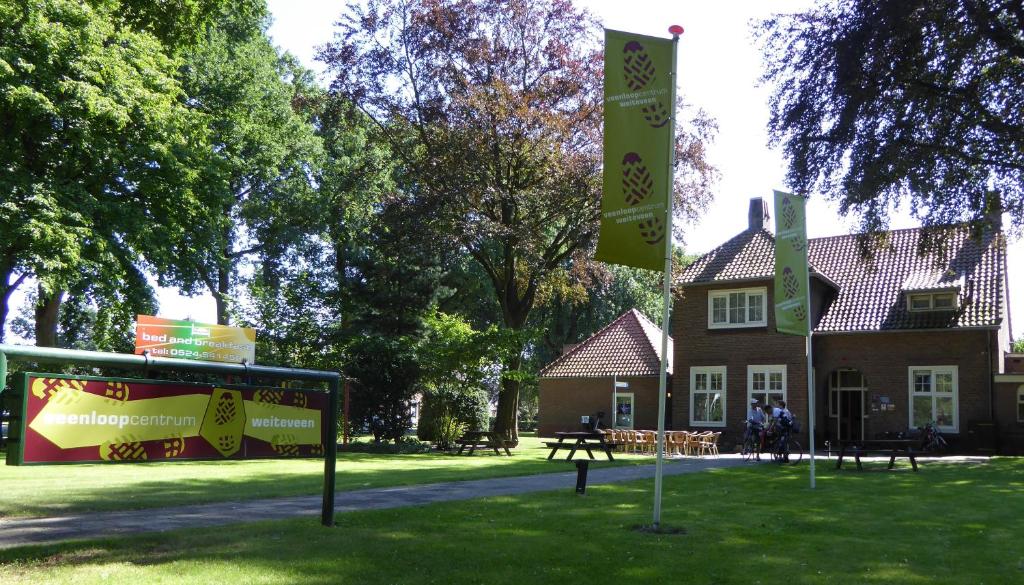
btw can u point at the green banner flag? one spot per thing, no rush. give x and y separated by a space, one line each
638 102
792 304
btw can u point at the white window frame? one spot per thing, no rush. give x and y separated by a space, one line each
955 371
724 293
1020 400
709 370
767 369
931 301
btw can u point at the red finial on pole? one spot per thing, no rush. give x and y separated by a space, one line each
676 30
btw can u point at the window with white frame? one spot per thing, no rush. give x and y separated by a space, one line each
766 384
707 396
933 397
935 301
1020 403
737 308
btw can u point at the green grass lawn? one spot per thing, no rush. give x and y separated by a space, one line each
948 524
62 489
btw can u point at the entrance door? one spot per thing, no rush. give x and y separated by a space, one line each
851 415
847 393
624 410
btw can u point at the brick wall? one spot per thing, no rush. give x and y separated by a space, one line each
563 400
883 359
1011 431
696 345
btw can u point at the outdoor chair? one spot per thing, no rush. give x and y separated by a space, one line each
709 443
692 443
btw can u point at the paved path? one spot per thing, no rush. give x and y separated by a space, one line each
106 524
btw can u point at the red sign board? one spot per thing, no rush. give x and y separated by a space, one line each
68 419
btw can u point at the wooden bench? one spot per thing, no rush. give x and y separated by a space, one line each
482 440
880 448
574 446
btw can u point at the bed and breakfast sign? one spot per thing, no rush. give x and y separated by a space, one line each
173 338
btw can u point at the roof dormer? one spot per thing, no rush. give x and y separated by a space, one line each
933 290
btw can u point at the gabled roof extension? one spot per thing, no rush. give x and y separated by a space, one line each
870 291
628 346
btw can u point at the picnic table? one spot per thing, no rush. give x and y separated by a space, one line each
580 441
482 439
891 448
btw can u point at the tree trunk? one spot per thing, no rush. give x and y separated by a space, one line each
47 311
220 296
506 421
6 290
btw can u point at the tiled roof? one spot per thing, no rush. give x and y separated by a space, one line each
628 346
870 289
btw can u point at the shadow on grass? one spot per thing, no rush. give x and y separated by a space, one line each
57 490
759 524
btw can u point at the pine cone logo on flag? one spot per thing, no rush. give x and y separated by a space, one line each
637 67
800 313
789 284
655 114
788 214
652 230
636 179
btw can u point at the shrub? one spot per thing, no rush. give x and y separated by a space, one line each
448 411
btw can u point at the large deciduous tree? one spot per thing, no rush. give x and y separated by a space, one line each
92 138
494 110
879 100
257 180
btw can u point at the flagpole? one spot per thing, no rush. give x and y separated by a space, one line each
676 30
810 381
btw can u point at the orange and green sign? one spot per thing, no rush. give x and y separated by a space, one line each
66 419
194 341
792 306
638 96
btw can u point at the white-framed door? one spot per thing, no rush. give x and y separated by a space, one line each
625 415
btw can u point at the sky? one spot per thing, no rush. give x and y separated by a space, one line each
719 70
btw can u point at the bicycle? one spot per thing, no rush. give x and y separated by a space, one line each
752 442
785 449
931 439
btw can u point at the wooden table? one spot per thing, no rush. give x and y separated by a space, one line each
485 439
891 448
580 441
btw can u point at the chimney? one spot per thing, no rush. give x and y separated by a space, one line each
757 216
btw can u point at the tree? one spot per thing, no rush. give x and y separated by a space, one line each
494 110
257 181
92 141
1018 346
877 101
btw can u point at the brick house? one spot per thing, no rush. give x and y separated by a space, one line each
900 337
582 381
